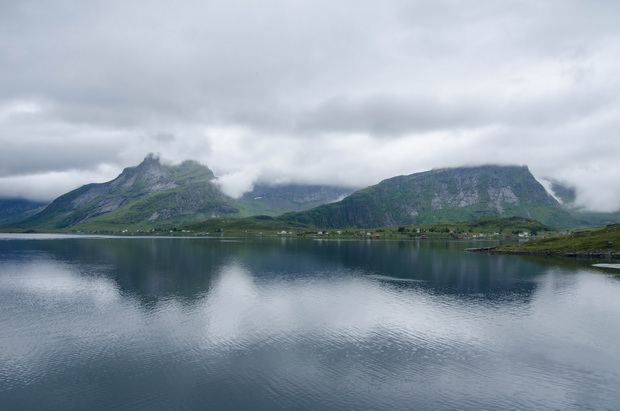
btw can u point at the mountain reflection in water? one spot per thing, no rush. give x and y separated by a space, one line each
200 323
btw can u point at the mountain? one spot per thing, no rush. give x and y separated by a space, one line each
450 194
144 196
156 195
16 209
274 200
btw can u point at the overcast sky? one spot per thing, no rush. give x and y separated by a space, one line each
340 91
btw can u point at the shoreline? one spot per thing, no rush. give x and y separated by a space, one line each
550 253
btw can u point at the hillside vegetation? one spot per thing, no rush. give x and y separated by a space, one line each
263 225
153 195
455 194
156 196
603 240
141 196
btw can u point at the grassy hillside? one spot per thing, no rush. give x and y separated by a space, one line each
147 196
602 240
489 229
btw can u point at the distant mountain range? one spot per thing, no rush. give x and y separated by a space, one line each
17 209
273 200
156 195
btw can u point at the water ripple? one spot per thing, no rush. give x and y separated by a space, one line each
323 339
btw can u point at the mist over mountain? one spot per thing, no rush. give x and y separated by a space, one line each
158 195
274 200
147 194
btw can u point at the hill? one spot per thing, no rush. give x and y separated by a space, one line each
146 195
603 240
155 195
451 194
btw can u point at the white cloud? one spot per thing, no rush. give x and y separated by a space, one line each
239 182
42 187
310 91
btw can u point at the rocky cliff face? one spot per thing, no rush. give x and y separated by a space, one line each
459 194
151 192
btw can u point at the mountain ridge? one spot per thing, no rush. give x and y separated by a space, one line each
150 191
445 194
155 195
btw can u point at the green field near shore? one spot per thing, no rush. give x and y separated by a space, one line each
601 240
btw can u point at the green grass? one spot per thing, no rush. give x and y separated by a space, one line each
492 228
602 240
265 225
250 225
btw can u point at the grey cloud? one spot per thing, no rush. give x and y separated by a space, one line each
311 90
50 147
385 115
395 116
127 62
163 137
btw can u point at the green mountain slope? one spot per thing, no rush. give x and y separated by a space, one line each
605 240
155 195
458 194
148 195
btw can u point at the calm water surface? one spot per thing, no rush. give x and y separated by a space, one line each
157 323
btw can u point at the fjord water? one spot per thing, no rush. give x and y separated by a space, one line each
215 323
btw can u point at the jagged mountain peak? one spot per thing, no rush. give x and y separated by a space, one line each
148 177
151 191
154 172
